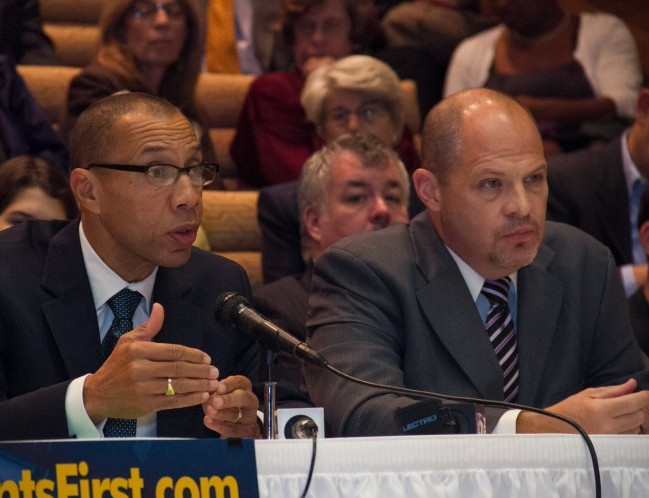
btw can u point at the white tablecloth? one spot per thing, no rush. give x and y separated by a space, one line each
455 466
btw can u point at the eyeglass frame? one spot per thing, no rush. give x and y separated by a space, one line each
384 108
157 7
134 168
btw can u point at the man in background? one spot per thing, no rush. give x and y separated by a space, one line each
355 184
598 190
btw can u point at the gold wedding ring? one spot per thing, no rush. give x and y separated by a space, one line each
238 417
170 389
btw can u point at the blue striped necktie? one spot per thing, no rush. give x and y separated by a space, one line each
500 329
123 305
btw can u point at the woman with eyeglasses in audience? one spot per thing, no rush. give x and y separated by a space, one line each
32 189
274 137
145 46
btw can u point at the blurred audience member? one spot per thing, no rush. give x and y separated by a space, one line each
599 189
578 74
21 33
273 137
355 184
435 27
243 37
31 189
639 301
355 94
24 127
145 46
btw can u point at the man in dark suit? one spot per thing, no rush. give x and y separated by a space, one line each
639 300
478 296
355 184
137 179
598 190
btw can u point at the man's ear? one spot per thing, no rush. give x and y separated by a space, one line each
84 186
427 187
312 223
644 236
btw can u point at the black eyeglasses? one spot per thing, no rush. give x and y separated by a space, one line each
148 10
369 113
163 175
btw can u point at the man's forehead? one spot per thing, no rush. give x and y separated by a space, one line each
147 134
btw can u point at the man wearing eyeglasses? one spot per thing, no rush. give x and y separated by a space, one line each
107 324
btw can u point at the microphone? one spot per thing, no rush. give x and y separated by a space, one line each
233 310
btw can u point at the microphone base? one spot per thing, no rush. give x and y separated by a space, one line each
286 417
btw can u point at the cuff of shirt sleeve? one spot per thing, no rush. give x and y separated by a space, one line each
79 423
507 423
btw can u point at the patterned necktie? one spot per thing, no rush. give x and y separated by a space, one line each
123 305
500 328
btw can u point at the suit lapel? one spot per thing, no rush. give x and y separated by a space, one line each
540 297
182 325
70 313
449 308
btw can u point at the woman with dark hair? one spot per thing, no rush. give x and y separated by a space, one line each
274 137
30 188
145 46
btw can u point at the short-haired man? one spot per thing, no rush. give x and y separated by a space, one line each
354 184
70 290
478 296
598 190
639 300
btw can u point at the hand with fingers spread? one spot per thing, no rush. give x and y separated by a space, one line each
142 377
614 409
232 409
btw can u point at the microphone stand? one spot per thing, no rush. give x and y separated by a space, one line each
270 429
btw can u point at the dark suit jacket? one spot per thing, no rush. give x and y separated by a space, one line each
284 302
588 190
639 310
21 33
24 127
49 332
391 306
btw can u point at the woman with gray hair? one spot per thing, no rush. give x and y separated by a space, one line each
358 93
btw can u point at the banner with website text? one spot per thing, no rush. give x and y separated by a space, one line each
135 468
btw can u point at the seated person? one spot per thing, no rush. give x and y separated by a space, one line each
32 189
145 46
244 40
434 28
357 93
478 296
21 34
107 322
273 137
355 184
24 127
598 190
578 74
639 301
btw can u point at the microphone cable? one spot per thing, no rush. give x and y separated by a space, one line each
314 438
487 402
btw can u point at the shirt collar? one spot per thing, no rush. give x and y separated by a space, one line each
473 279
104 282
